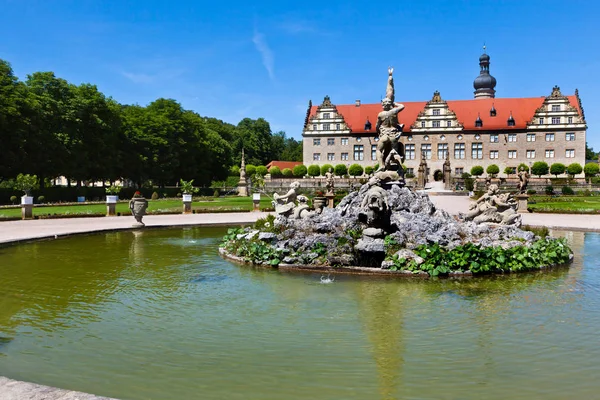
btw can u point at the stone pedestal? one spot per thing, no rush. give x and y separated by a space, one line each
243 190
256 201
319 203
330 197
522 203
111 206
187 203
26 207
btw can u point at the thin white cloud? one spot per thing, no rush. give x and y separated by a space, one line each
267 55
295 27
139 78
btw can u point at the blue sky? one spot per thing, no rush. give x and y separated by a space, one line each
232 59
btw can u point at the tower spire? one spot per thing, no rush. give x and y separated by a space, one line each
485 83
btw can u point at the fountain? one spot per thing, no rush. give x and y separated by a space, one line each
385 227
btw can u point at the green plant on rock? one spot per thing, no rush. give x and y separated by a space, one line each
26 183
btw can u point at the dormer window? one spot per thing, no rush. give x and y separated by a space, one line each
478 122
492 111
368 125
511 120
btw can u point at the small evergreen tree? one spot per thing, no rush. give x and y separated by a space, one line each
299 170
539 168
262 170
509 170
250 170
287 172
314 170
340 170
574 169
591 169
368 170
523 165
325 168
557 168
493 170
275 171
477 170
355 170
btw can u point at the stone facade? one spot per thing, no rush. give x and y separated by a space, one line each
550 129
482 131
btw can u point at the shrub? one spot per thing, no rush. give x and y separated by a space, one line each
41 199
26 183
493 169
368 170
509 170
531 191
234 170
314 170
154 196
299 170
566 190
216 193
469 184
591 169
477 170
250 170
557 168
187 186
549 190
574 169
409 175
376 167
113 189
539 168
523 165
287 172
261 170
275 171
465 175
13 199
325 168
355 170
340 170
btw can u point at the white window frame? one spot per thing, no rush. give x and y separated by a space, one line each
344 141
316 142
555 107
512 137
494 154
555 120
570 136
549 137
530 154
359 152
316 156
426 150
531 137
409 152
512 154
436 111
494 138
459 148
330 141
435 124
570 153
330 156
344 157
550 153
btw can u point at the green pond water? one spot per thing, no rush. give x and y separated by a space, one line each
159 315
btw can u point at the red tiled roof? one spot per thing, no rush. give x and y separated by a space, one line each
283 164
523 110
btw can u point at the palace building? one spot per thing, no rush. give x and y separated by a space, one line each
481 131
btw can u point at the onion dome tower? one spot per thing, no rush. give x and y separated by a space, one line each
484 84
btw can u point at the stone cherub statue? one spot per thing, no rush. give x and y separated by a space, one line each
523 180
284 204
329 181
387 127
495 208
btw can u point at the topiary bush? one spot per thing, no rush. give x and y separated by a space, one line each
355 170
275 171
287 172
549 190
41 199
493 170
299 171
477 170
13 199
567 191
340 170
250 170
523 165
216 193
261 170
531 191
557 168
574 169
368 170
539 168
591 169
325 168
509 170
154 196
314 170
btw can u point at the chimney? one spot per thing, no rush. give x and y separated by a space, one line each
357 103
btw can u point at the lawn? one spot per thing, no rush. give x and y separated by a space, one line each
565 204
154 206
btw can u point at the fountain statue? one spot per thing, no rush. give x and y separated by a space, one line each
385 226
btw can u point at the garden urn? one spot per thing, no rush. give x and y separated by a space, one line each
138 206
111 205
319 203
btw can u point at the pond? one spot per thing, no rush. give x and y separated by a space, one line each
158 314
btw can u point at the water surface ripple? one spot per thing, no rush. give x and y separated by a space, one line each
158 314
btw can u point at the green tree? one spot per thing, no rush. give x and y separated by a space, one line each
254 136
314 170
477 170
523 165
368 170
340 170
509 170
355 170
557 169
539 168
250 170
299 170
493 169
262 170
591 169
574 169
234 170
325 168
590 154
275 171
287 172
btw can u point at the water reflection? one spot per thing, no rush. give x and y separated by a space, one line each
158 314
